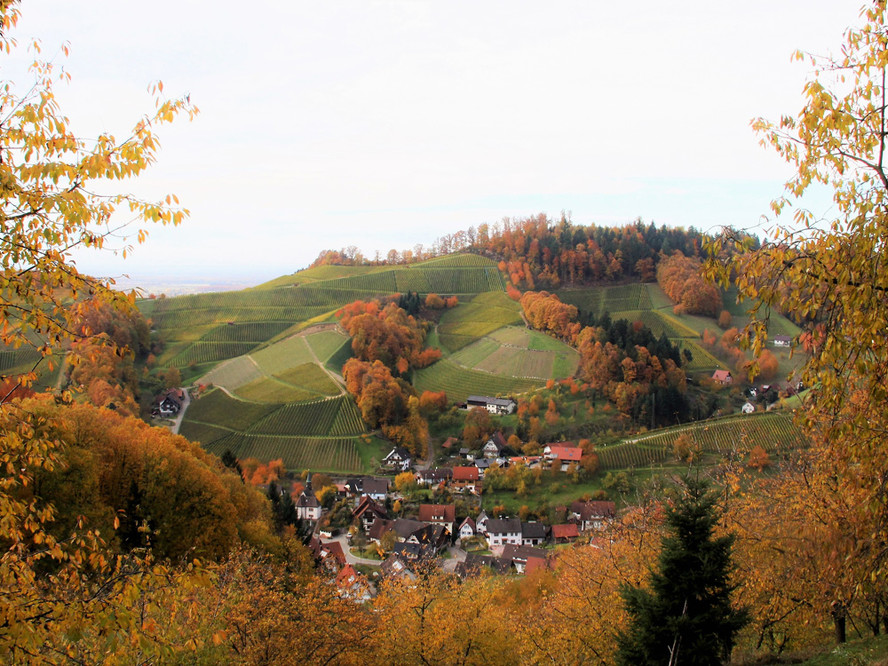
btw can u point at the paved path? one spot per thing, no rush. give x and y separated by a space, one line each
178 420
351 559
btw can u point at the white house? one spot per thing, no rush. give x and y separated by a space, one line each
492 405
504 530
398 458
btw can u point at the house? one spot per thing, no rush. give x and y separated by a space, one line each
352 585
466 479
369 511
434 477
398 458
307 506
723 377
467 529
494 446
782 341
328 555
474 564
492 405
483 464
534 533
439 514
592 515
561 455
504 530
394 567
747 408
169 403
412 552
436 537
481 523
466 453
405 527
565 533
379 527
376 489
520 557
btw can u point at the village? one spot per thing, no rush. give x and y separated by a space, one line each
408 538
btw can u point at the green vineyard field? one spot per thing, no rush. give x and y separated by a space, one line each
459 383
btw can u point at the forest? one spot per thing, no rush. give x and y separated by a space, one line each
124 543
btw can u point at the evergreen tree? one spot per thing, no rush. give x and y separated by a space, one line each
686 617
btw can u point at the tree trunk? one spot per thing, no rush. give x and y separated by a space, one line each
838 615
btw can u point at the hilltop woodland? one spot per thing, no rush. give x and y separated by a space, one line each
124 543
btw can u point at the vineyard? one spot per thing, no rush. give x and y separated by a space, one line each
322 454
14 361
325 343
459 383
628 455
311 377
326 434
333 416
268 389
598 300
233 374
471 321
773 431
208 328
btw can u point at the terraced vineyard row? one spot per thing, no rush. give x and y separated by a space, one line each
626 455
15 359
207 352
320 454
619 298
335 416
773 431
255 332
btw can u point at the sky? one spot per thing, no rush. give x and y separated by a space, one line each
387 124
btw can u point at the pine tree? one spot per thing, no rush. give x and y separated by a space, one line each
686 616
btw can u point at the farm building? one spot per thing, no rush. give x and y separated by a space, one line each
782 341
492 405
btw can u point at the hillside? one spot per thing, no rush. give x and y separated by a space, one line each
277 349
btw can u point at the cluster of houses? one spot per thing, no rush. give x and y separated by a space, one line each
469 477
412 543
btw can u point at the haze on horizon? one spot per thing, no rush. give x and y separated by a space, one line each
388 124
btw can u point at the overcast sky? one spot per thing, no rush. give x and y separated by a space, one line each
387 124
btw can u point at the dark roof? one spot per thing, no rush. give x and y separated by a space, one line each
415 551
534 530
404 527
398 452
433 535
368 504
379 527
470 522
487 400
395 567
437 474
503 525
307 499
474 563
593 509
500 439
375 486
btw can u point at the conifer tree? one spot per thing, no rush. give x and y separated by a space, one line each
686 616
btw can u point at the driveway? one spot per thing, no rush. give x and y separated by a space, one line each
351 559
178 420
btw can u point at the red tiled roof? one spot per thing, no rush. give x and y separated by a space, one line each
568 531
429 513
568 453
465 473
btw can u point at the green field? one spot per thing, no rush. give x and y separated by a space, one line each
471 321
519 352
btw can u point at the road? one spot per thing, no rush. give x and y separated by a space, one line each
351 559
